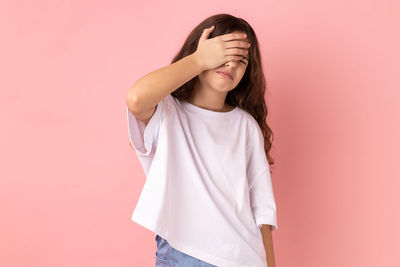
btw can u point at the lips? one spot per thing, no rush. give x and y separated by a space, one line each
225 74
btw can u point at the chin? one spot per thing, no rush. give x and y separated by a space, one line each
224 86
222 89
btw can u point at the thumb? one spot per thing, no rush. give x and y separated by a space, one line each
206 32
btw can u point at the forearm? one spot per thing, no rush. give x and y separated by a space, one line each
269 248
149 90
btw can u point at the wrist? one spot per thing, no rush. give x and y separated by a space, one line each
197 62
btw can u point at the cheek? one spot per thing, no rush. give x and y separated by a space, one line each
240 73
206 74
212 76
208 77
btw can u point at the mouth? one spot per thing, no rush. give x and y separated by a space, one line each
225 75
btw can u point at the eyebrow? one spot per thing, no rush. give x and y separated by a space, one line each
245 58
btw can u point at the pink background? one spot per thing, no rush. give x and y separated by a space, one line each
69 180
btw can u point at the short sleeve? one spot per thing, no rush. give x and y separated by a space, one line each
262 200
142 137
261 193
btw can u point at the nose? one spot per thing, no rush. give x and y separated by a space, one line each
232 63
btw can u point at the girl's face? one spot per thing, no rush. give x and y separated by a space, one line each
213 79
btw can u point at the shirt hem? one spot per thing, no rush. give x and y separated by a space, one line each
185 248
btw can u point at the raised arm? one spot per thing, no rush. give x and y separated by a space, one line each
149 90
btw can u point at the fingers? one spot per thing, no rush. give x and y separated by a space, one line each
206 32
237 48
237 52
239 44
233 36
233 58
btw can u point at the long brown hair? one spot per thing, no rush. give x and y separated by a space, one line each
249 93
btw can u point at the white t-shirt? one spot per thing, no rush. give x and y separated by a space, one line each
208 186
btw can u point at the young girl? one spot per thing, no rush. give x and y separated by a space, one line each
198 128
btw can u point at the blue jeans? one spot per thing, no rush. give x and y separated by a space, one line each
167 256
